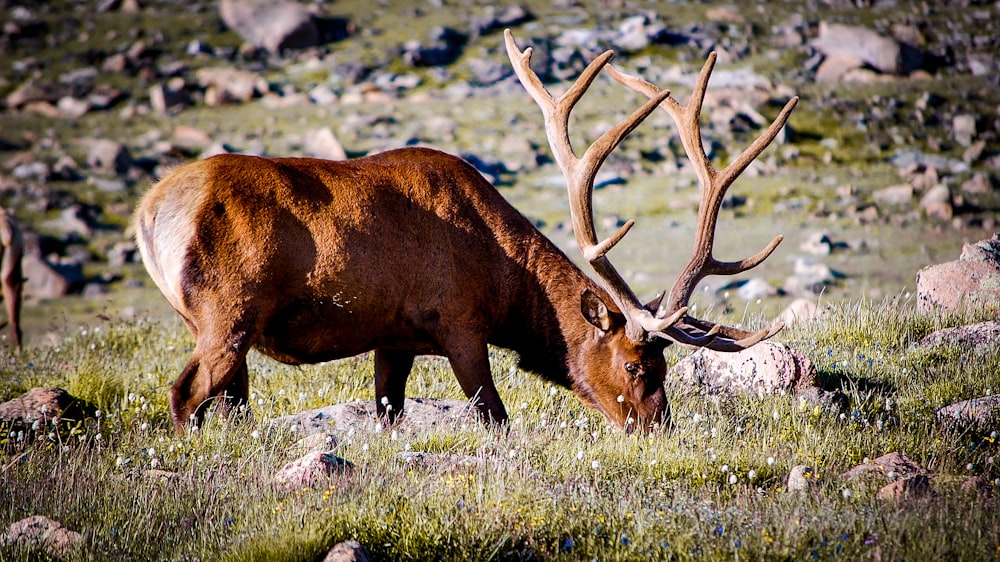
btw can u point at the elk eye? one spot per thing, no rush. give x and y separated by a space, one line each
632 369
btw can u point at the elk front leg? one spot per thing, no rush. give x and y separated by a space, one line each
392 368
13 281
218 371
472 368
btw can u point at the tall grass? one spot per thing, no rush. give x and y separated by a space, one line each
559 484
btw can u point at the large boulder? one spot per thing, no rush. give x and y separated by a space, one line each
855 43
970 282
271 25
42 404
38 531
766 368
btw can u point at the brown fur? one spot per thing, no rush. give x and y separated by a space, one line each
11 277
406 252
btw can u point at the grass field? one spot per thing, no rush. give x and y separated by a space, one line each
559 484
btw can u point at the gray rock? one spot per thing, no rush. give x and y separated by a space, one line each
109 156
801 310
42 404
874 48
230 85
910 487
963 129
835 66
982 412
359 416
895 195
766 368
972 336
347 551
272 25
313 468
888 467
72 108
972 281
802 478
979 183
42 281
38 531
322 143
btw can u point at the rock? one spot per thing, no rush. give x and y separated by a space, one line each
972 336
122 252
835 66
165 97
42 281
42 404
190 139
802 478
801 311
980 485
347 551
982 412
817 244
72 108
419 412
32 91
832 402
979 183
888 467
445 47
72 220
313 468
439 461
873 48
936 203
755 288
38 531
318 442
963 129
766 368
972 281
321 143
230 85
810 277
895 195
109 156
491 20
916 486
274 25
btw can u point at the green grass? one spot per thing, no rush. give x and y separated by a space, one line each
560 484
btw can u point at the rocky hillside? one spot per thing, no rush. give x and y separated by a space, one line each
890 162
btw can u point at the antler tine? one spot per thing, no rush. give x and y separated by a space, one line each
580 174
714 185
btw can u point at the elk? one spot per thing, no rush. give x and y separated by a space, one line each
11 277
411 252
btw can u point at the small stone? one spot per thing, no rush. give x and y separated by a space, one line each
321 143
963 129
38 531
802 478
313 468
347 551
916 486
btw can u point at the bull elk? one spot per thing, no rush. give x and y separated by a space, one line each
11 277
411 252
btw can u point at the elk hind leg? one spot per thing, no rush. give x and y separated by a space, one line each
217 370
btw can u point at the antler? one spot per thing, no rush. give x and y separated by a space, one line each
580 174
714 184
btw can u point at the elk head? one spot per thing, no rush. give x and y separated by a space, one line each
642 330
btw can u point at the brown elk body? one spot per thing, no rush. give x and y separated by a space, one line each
11 277
406 252
412 252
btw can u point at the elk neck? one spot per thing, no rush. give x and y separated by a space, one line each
546 327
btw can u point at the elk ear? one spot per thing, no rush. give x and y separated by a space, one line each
654 305
595 311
